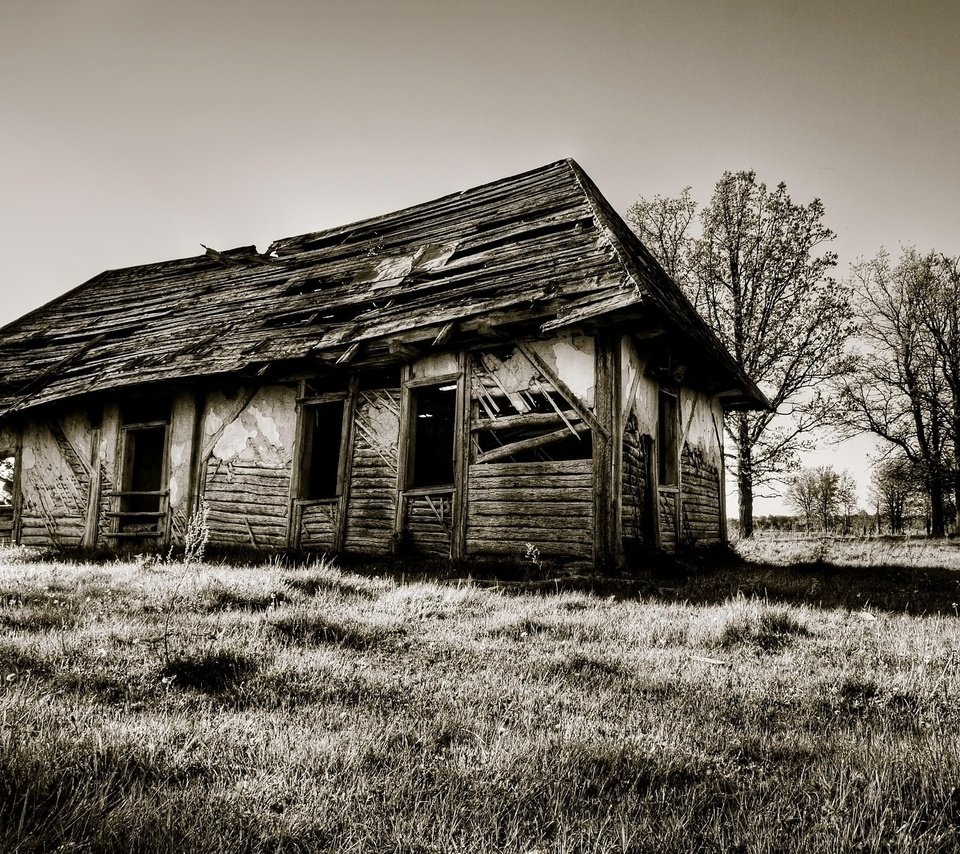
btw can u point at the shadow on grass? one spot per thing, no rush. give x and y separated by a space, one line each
913 590
209 672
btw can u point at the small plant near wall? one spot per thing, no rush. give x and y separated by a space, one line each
197 536
533 555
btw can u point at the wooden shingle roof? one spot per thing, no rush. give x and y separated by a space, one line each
534 252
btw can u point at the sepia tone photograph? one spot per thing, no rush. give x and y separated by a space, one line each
524 427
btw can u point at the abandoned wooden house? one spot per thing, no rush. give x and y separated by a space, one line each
502 366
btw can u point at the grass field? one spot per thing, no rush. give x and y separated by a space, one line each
740 708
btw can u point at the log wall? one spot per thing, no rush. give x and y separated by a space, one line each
634 489
547 504
371 509
667 502
700 522
318 525
55 481
246 460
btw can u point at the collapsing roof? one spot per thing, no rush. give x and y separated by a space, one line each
530 253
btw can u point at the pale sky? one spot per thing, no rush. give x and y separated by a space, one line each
134 131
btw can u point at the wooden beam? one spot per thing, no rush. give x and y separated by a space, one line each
403 452
572 400
603 451
347 355
461 460
404 351
92 521
444 335
345 466
529 419
528 444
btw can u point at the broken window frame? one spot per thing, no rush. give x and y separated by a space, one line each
303 461
126 519
668 438
409 484
548 419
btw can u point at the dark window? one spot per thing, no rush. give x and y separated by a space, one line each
323 436
434 415
143 455
668 429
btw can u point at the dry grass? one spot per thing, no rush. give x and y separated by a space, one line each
269 709
786 549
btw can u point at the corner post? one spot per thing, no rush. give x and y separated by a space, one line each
607 393
461 460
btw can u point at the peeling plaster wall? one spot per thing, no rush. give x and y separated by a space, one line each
569 356
638 391
373 482
179 459
55 480
701 459
247 447
701 468
436 365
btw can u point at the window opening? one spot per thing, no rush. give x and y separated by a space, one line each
322 440
668 431
533 424
434 417
7 477
145 421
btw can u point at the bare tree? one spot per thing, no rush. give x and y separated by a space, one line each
758 272
846 495
821 494
906 388
893 485
802 496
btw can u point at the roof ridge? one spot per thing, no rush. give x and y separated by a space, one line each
367 221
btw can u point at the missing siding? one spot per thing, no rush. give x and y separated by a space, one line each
530 424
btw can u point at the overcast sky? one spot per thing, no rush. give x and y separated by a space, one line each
134 131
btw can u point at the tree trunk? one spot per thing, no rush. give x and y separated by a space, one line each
937 515
745 477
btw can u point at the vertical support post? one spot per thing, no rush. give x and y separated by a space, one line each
617 426
345 466
603 452
296 472
652 476
461 460
17 487
110 457
403 450
194 486
92 521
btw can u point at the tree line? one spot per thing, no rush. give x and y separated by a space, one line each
876 352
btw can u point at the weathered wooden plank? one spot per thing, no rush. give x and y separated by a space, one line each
528 444
526 509
518 548
548 468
